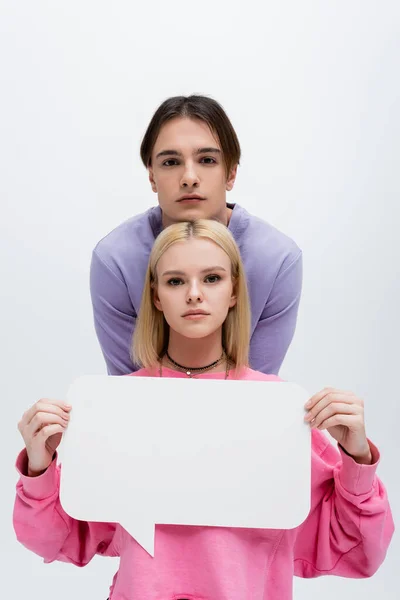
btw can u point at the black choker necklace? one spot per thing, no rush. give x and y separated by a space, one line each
190 370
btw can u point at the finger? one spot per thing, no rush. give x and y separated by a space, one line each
49 430
336 408
323 393
350 421
318 396
46 405
42 420
331 398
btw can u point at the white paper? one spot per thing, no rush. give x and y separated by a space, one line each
141 451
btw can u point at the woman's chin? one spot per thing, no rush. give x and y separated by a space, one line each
197 332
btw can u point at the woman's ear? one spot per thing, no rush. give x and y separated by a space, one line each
233 299
156 299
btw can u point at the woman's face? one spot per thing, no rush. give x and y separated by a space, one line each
194 289
187 159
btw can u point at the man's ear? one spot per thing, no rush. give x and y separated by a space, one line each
152 180
231 179
156 300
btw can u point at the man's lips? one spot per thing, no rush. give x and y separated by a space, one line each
191 198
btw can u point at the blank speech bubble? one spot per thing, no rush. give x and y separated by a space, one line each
140 451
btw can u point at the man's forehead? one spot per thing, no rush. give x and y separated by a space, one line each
186 136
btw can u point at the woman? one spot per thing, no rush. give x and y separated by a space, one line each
194 322
192 152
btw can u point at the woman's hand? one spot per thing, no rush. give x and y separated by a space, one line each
342 415
42 427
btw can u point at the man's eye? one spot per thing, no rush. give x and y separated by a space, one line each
170 160
175 281
209 158
212 278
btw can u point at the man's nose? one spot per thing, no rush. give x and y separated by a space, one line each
190 176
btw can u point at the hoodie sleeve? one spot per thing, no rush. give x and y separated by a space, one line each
276 326
350 525
43 527
114 316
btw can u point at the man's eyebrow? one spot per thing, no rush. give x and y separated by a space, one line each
207 270
209 150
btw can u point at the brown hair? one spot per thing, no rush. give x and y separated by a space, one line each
194 107
150 339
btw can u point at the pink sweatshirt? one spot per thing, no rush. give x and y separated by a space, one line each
346 533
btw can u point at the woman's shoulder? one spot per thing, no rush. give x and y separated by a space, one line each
142 373
253 375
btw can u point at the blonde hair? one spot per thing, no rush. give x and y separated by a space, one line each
150 339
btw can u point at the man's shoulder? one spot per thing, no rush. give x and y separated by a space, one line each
262 239
136 232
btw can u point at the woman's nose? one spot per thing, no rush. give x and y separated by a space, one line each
194 293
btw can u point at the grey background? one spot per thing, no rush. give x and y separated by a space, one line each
313 91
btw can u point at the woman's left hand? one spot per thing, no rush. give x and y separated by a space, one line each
342 415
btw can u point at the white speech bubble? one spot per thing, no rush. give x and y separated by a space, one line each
140 451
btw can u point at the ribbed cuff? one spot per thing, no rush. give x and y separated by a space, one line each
43 485
355 478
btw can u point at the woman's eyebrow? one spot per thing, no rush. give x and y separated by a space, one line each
207 270
216 268
209 150
173 273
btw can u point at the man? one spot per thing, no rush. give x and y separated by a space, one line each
192 153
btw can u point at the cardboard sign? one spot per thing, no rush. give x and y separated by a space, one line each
141 451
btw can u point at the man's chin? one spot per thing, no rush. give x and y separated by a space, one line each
194 212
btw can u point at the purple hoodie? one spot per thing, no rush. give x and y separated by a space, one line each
273 266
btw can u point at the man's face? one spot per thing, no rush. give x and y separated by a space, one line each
187 160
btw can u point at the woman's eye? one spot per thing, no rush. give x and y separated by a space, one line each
175 281
212 278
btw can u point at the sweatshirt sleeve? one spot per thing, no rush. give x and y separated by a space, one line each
350 525
42 526
114 316
275 329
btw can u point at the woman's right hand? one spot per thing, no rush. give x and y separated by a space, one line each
42 427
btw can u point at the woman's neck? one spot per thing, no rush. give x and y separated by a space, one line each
195 353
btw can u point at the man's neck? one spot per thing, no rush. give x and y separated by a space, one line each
224 218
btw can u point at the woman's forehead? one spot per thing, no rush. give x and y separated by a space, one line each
194 255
